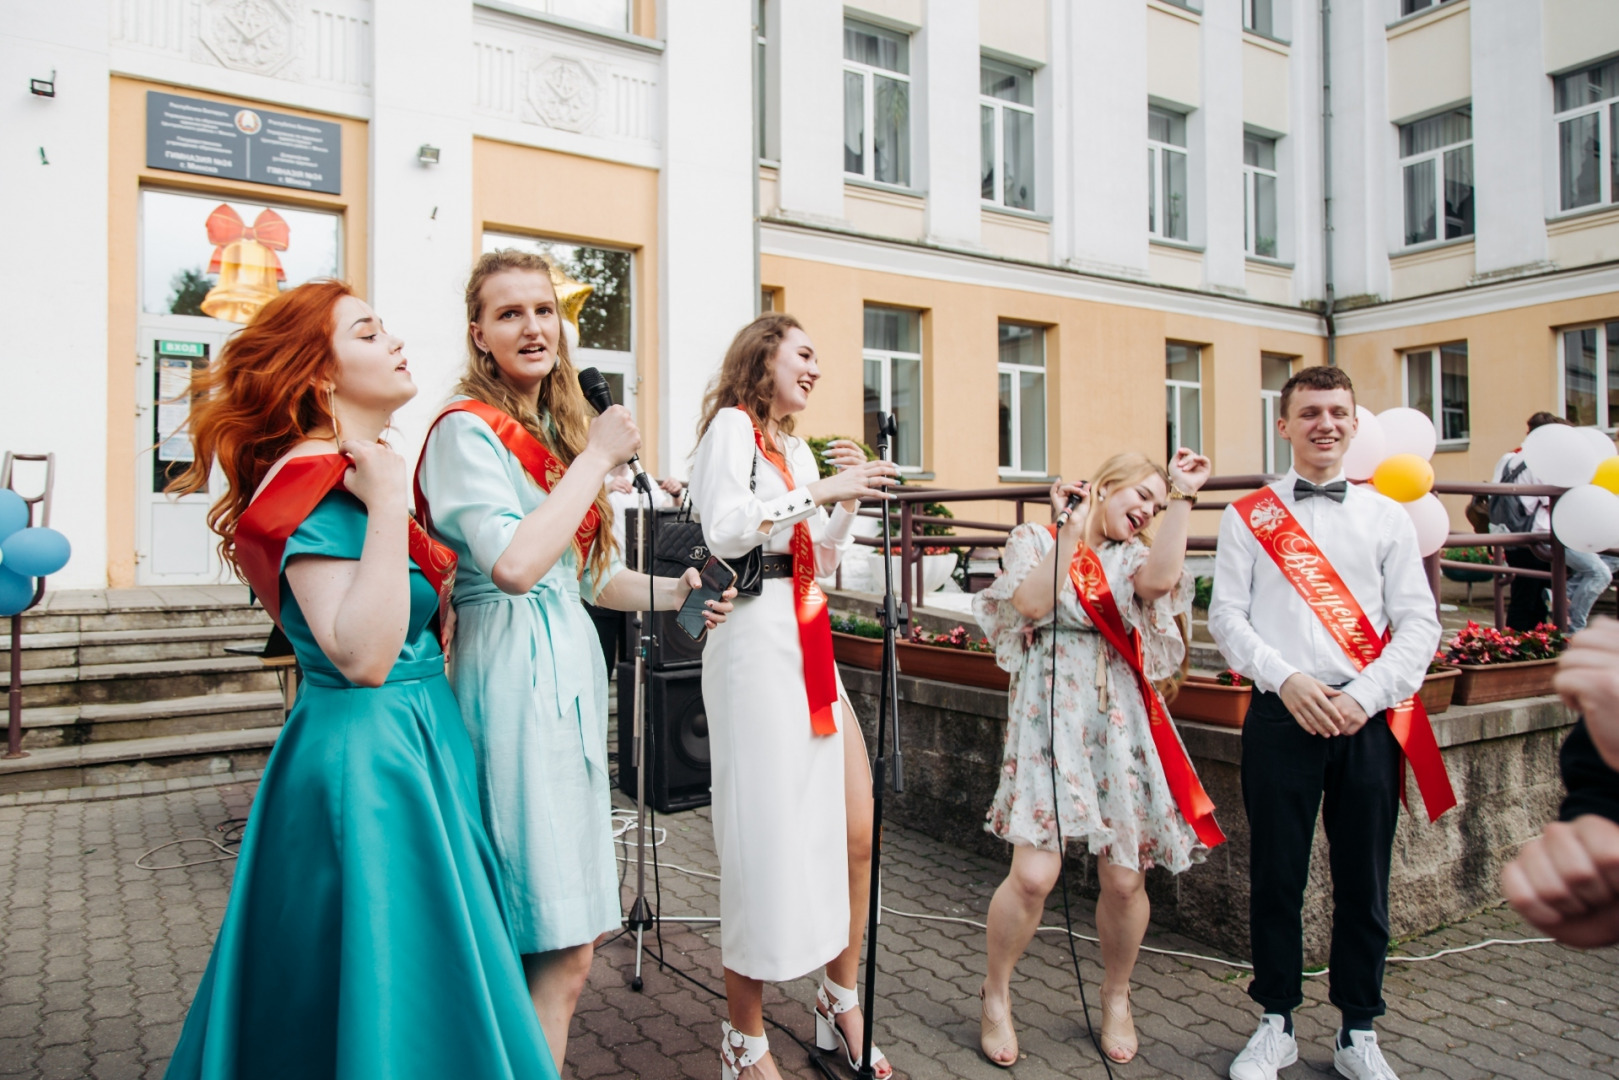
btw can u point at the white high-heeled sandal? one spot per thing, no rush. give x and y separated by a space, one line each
738 1051
832 1001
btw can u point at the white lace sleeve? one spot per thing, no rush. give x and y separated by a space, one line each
993 608
1161 643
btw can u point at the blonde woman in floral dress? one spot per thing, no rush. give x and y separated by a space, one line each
1116 796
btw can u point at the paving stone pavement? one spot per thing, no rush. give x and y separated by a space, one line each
101 958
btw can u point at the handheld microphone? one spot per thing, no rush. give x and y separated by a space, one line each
593 384
1068 511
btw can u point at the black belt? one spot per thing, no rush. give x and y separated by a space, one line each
776 566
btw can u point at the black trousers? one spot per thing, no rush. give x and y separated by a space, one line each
609 631
1354 780
1526 597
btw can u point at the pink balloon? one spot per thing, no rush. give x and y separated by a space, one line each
1368 448
1432 520
1408 432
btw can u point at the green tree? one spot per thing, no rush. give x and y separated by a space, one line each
186 291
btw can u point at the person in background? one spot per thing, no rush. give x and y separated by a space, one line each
1566 881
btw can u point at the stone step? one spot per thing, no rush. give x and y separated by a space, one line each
133 760
70 648
153 680
78 725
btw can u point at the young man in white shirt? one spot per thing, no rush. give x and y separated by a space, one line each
1316 734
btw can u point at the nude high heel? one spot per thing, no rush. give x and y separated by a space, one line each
991 1039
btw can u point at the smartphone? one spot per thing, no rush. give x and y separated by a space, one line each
717 576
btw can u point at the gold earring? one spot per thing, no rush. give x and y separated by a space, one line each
331 407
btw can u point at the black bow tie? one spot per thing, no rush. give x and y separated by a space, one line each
1303 489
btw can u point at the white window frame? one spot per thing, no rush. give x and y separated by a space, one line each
1001 107
1606 151
1157 223
1604 392
1013 371
1250 16
868 101
1436 413
1270 405
764 124
561 9
1437 156
885 358
1250 202
1177 425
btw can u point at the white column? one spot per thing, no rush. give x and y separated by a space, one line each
705 206
53 281
1299 155
1099 215
421 223
810 123
1220 124
1511 100
1364 166
944 121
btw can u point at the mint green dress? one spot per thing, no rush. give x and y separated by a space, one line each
365 935
532 684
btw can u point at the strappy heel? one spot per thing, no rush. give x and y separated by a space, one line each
988 1030
831 1002
1112 1039
738 1051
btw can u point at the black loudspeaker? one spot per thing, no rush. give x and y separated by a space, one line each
670 647
676 734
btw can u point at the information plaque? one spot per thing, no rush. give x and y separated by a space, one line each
211 138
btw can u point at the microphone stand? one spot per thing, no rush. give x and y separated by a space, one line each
891 615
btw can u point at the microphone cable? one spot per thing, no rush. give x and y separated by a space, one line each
1056 807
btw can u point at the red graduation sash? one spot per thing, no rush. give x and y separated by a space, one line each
1330 599
270 520
809 603
1096 597
542 466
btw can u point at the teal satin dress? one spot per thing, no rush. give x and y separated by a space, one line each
365 934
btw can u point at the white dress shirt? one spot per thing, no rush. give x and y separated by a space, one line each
1267 632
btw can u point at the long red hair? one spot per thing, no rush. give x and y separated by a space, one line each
262 397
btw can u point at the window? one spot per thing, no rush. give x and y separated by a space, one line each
607 318
1183 392
768 299
1021 367
184 273
1257 16
610 14
1590 380
1587 104
1259 195
1166 174
893 365
1411 7
761 91
1006 134
1274 371
1436 386
1436 162
876 103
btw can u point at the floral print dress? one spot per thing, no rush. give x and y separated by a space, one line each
1115 798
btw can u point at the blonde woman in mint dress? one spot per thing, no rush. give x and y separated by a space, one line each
525 663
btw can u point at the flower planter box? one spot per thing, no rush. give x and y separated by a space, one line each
857 651
1209 702
950 665
1438 689
1481 684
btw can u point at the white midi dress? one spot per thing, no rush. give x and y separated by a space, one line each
778 799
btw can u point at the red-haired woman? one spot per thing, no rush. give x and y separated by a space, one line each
365 935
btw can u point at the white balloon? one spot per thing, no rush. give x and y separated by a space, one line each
1586 518
1408 431
1432 520
1559 455
1600 441
1368 448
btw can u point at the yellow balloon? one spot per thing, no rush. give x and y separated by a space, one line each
1608 475
1403 477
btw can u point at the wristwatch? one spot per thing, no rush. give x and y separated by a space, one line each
1177 493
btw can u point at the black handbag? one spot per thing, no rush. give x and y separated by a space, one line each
678 545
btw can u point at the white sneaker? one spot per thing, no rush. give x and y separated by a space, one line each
1271 1048
1361 1059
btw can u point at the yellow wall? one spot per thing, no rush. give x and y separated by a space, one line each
127 175
1105 369
523 189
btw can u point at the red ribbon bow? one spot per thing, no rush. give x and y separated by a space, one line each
270 229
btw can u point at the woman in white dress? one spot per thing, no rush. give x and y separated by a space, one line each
792 790
1115 798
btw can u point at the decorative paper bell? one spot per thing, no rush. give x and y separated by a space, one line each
247 281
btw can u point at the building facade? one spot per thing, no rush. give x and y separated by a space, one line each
987 258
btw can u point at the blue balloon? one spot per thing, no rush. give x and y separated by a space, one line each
16 592
13 512
34 552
